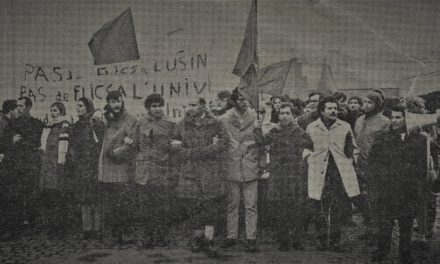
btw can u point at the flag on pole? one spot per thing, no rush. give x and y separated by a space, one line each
249 86
326 84
246 66
272 78
115 41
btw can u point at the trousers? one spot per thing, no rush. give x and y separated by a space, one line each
249 190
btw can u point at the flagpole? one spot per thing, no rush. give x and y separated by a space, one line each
258 105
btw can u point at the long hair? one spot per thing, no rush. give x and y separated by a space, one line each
60 106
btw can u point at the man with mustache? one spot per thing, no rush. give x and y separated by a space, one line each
117 165
332 180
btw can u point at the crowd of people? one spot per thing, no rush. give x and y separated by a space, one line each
313 162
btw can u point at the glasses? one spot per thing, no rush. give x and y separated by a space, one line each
241 99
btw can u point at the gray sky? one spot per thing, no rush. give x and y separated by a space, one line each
368 44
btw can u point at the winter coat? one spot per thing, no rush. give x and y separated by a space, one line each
352 117
4 122
305 119
288 171
245 149
398 171
366 131
153 164
54 144
201 160
85 142
117 160
24 156
332 140
6 165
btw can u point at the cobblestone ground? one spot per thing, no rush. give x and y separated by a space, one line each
39 247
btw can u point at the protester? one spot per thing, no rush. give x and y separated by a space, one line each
22 141
287 183
54 144
331 176
85 141
276 103
223 102
354 110
8 184
154 172
367 128
310 113
426 209
116 168
398 160
201 142
342 107
243 156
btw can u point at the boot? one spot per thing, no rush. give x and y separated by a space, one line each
228 242
322 242
283 241
251 246
211 250
379 256
198 242
297 246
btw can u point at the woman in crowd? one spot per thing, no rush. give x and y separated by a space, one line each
287 187
54 142
82 163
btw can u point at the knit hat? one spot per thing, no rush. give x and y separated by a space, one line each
376 97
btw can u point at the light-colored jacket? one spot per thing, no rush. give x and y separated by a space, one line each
325 141
244 151
366 130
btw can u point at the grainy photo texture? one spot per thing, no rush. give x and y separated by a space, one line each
220 131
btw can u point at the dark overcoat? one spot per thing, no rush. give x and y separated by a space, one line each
85 141
201 160
153 161
288 172
399 171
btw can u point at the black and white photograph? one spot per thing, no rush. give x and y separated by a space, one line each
220 131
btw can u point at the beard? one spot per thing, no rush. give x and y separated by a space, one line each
111 114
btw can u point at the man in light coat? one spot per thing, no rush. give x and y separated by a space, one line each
116 169
332 180
242 165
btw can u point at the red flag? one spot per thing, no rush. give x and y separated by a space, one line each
248 86
248 52
272 78
115 41
326 84
246 66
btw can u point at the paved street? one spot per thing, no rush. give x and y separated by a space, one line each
38 247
